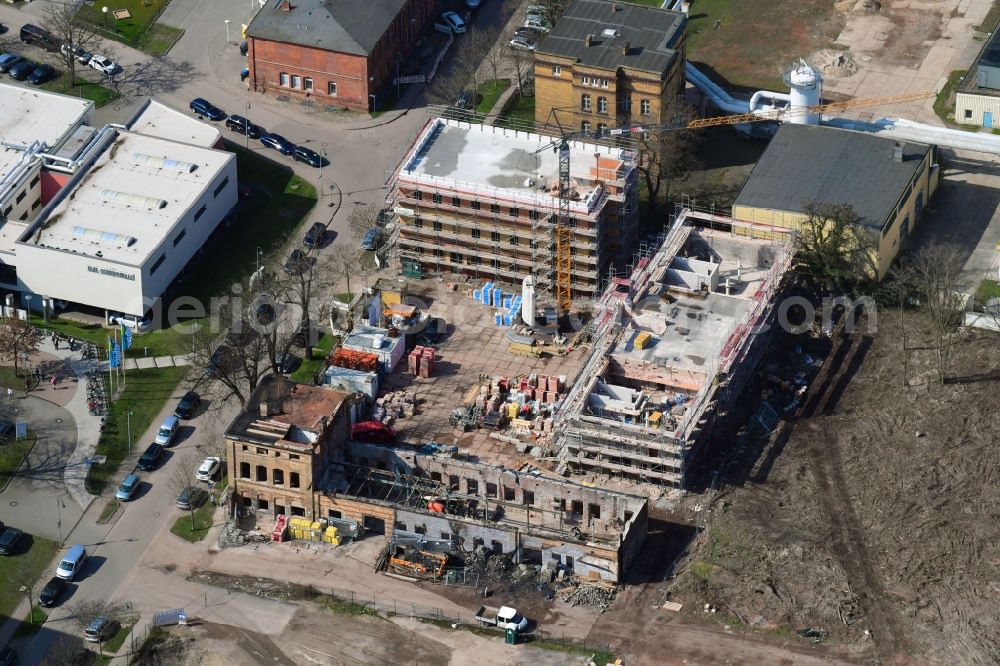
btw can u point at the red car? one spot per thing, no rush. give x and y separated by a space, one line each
372 431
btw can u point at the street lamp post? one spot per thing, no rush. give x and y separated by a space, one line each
104 10
227 31
322 161
59 521
128 422
372 97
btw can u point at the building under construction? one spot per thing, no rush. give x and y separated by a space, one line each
675 343
483 201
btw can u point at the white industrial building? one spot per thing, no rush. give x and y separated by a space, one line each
104 217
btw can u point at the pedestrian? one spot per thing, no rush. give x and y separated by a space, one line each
54 381
55 341
10 393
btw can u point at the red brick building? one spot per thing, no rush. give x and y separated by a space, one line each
333 51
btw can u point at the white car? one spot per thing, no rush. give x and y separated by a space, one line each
538 22
209 468
137 324
104 64
523 43
453 21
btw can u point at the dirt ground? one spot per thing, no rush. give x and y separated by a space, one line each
872 518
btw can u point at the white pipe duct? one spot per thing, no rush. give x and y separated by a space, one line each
716 95
901 129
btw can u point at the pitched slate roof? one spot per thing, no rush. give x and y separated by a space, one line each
345 26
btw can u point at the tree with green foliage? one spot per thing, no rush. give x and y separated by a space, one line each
834 252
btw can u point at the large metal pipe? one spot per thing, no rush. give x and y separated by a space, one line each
716 95
900 129
768 94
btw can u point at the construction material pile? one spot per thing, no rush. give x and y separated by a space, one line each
354 360
588 592
394 405
420 361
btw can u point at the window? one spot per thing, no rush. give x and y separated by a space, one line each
585 102
333 513
279 477
262 504
585 127
644 107
585 80
261 473
495 236
495 208
491 489
476 205
602 129
298 511
307 83
529 497
420 529
436 198
445 535
331 88
436 476
594 510
604 83
532 214
513 212
556 70
471 487
179 237
201 211
513 240
244 470
246 448
418 223
293 456
261 452
293 480
418 195
476 259
495 263
296 81
36 203
439 253
6 211
968 114
277 454
476 233
157 263
283 78
222 186
576 508
508 494
20 197
437 226
602 104
34 181
455 201
627 105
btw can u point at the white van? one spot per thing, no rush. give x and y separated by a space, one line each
72 562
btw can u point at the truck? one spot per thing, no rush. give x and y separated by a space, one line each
504 617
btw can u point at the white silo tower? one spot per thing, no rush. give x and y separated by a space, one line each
806 90
528 300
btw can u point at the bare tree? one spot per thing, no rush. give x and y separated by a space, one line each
363 219
66 649
936 269
72 29
833 250
523 63
18 340
668 156
497 53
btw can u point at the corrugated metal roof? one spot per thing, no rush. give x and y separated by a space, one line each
331 25
651 34
809 163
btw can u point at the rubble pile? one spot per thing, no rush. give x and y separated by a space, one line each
394 405
232 536
586 592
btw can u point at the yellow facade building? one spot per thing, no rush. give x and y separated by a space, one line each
886 182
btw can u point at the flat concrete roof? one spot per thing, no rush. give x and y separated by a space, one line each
28 115
160 120
494 160
130 198
363 336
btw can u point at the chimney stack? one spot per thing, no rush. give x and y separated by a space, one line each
285 6
626 47
897 152
588 39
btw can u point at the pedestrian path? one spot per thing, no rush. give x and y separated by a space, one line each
156 362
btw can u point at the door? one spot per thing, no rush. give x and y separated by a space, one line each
987 119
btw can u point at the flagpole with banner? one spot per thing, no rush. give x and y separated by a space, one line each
126 334
115 357
111 367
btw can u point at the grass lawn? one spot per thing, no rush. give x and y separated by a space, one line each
28 565
987 289
520 111
944 103
98 94
489 93
202 522
145 393
111 646
991 19
12 452
748 44
138 30
31 623
322 349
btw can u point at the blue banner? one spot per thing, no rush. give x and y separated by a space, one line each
115 354
126 337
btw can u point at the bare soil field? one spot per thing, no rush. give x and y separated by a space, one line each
872 518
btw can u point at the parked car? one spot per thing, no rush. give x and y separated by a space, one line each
536 10
539 22
8 60
278 142
243 126
310 157
454 21
82 56
297 262
264 313
209 468
8 657
314 237
104 64
504 617
150 458
9 539
32 34
137 324
191 498
128 487
523 43
21 70
51 592
168 430
187 406
371 240
287 363
100 629
72 562
41 74
6 432
528 31
466 100
205 108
